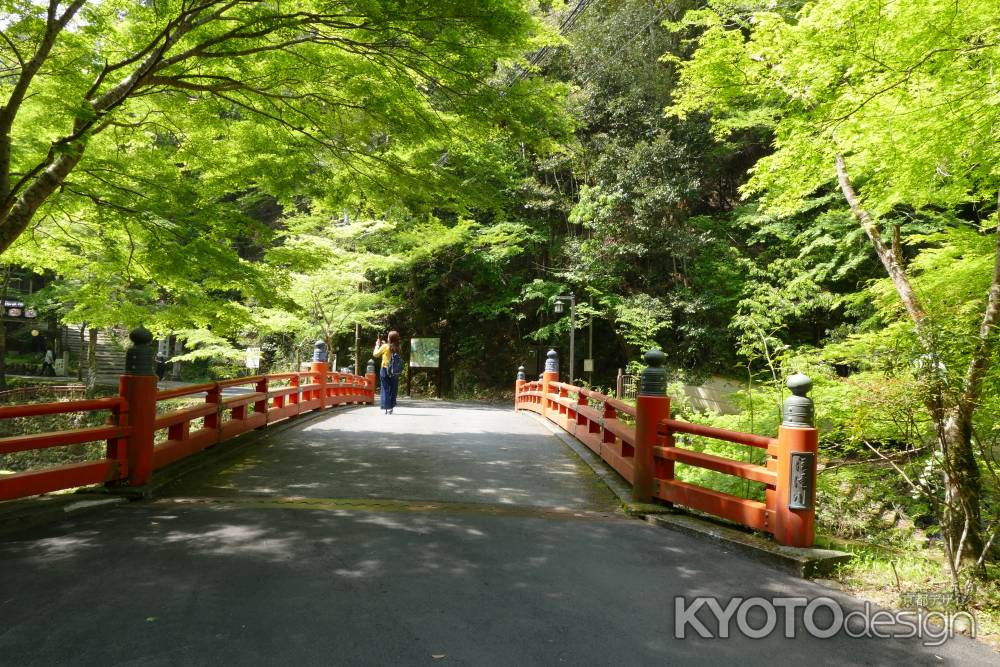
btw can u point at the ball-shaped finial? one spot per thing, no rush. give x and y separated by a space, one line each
319 351
655 358
797 410
552 362
800 384
520 373
140 336
139 356
653 379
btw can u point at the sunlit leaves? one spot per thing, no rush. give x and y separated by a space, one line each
903 89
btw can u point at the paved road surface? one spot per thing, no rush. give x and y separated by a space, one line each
420 538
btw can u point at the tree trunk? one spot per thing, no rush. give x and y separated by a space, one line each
79 361
888 258
3 349
952 415
962 486
92 363
3 329
175 367
357 349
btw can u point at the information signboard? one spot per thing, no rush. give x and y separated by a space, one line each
425 352
253 357
425 356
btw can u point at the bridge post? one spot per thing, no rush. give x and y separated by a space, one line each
138 387
321 368
795 492
261 406
652 405
550 375
518 386
370 377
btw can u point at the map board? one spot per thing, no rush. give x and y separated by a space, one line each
425 352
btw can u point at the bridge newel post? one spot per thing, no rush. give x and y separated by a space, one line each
652 405
138 387
550 376
370 378
518 387
795 492
320 370
263 405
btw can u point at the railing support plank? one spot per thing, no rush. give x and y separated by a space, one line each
34 482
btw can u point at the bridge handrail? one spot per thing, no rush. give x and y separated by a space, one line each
61 407
645 454
32 482
671 426
132 451
288 376
620 406
180 392
599 429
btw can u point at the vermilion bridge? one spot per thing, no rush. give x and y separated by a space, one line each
445 533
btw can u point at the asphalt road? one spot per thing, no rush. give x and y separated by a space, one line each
442 534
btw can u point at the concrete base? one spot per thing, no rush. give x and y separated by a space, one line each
18 515
806 563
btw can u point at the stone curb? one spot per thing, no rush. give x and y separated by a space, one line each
805 563
19 515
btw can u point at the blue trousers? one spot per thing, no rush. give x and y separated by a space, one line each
389 387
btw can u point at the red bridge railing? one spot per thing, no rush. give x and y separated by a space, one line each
639 442
132 422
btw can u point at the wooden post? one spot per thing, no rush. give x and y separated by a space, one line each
610 412
581 400
795 493
370 378
652 405
214 420
550 375
320 368
518 386
262 405
138 388
296 397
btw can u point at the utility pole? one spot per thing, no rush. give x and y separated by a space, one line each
357 348
558 308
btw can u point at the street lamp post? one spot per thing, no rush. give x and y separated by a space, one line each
558 307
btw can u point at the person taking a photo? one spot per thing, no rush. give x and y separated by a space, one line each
391 368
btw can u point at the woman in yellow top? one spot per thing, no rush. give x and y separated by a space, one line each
388 381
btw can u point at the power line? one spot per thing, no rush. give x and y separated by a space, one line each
634 36
564 27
